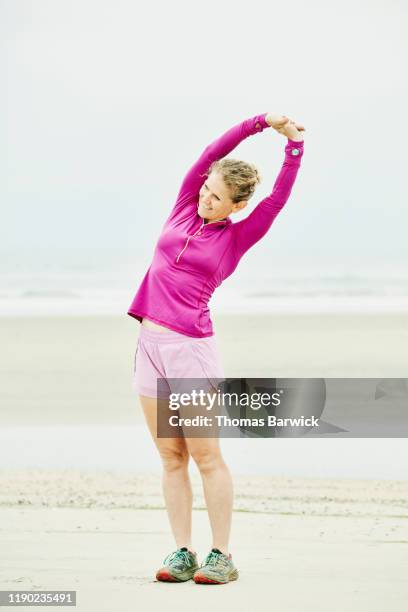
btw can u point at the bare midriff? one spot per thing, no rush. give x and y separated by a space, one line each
151 325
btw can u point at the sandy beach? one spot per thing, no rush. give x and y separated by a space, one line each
78 370
300 544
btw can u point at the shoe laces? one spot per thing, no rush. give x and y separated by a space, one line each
213 558
178 558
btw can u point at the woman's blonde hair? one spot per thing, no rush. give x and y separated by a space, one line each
241 177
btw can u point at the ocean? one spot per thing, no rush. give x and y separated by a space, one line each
107 291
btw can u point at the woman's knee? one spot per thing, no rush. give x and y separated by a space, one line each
174 458
207 460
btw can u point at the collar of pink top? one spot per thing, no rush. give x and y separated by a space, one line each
223 222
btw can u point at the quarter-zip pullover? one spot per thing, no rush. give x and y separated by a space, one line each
192 258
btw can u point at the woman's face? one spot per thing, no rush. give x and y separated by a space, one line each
214 201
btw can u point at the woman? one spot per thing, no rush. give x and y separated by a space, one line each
199 246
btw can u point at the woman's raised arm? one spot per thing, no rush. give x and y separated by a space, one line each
187 198
218 149
257 223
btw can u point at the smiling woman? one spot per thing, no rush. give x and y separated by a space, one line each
198 248
182 277
229 186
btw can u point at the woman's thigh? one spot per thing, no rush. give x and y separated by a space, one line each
201 449
168 445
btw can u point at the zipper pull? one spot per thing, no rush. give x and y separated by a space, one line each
188 239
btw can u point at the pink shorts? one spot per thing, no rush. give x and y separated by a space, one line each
174 356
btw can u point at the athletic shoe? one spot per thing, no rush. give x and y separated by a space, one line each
179 566
217 568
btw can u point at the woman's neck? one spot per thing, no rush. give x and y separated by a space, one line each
207 222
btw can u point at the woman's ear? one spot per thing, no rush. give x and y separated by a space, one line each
239 205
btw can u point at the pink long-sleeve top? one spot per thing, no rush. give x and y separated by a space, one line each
192 258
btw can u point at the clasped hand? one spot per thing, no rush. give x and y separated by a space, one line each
285 126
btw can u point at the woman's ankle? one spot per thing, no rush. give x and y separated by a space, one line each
189 548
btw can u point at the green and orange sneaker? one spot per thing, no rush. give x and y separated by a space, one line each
217 568
178 566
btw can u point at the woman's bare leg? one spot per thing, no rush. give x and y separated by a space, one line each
176 483
218 488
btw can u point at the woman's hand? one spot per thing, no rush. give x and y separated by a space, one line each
292 131
285 126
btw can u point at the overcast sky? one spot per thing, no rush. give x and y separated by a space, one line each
108 103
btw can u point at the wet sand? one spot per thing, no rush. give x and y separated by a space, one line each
78 370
